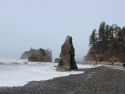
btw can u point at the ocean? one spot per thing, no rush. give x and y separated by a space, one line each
15 72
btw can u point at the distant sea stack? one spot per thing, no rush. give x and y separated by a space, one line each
67 61
27 54
56 60
40 57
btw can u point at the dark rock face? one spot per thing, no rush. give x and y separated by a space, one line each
67 61
27 54
56 60
124 66
40 57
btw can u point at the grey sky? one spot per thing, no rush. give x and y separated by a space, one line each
46 23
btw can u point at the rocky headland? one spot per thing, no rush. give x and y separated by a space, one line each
107 44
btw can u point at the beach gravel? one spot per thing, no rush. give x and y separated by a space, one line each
99 80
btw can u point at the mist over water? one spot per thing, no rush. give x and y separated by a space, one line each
79 59
14 72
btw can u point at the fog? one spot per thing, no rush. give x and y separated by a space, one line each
46 23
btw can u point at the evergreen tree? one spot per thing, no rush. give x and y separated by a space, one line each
102 31
111 34
107 33
123 30
115 45
119 32
92 39
115 30
123 49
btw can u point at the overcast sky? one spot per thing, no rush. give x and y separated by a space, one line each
46 23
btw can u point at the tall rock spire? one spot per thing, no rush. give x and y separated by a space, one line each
67 61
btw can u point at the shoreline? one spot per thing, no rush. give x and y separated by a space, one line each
94 80
104 62
114 66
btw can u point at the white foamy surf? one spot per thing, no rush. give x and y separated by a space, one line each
14 72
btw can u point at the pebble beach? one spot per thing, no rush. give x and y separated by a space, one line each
99 80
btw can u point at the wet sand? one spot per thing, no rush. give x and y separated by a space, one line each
120 67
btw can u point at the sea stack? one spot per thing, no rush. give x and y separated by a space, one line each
56 60
67 61
40 57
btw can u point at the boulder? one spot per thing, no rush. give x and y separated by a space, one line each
40 57
56 60
67 61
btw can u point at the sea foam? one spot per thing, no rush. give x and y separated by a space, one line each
20 74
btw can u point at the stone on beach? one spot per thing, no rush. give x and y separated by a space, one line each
67 61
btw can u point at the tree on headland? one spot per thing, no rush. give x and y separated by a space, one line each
115 45
92 38
107 43
123 49
123 30
119 32
102 32
107 33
